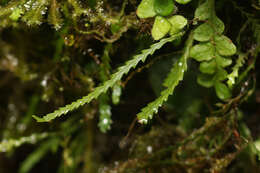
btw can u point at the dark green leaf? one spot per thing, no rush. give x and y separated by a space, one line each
222 91
208 67
163 7
221 74
205 80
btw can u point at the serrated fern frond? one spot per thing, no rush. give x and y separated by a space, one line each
174 77
109 83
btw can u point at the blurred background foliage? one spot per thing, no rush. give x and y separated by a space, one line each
55 51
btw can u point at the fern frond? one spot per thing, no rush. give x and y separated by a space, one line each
109 83
174 77
8 145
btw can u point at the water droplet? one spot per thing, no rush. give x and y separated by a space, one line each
105 121
142 121
149 149
33 139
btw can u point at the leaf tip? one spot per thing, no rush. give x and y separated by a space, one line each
38 119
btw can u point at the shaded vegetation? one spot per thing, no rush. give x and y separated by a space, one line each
129 86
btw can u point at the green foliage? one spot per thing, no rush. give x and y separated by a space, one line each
109 83
146 9
10 144
160 28
214 45
38 154
162 25
55 51
174 77
163 7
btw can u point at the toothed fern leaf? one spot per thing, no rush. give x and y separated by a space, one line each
109 83
174 77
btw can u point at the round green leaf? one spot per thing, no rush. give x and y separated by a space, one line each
203 33
222 91
205 80
160 28
208 67
163 7
178 22
225 46
221 75
218 25
183 1
223 62
145 9
202 52
203 11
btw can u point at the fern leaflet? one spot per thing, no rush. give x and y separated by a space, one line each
174 77
109 83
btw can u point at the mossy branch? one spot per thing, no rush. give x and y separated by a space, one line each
109 83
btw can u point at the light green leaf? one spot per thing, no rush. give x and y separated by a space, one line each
160 28
204 32
174 77
205 80
183 1
109 83
223 62
178 22
203 11
218 25
225 46
222 91
202 52
163 7
208 67
145 9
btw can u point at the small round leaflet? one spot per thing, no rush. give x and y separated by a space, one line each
163 7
